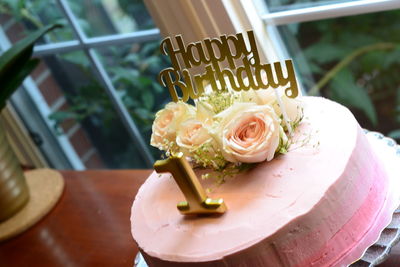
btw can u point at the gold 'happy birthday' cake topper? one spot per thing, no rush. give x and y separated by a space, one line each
211 52
182 86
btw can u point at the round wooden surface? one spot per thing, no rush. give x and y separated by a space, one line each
45 188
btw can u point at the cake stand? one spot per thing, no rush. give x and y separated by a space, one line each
390 236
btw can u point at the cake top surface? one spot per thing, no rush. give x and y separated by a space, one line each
259 201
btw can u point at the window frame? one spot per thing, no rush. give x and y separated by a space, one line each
226 17
31 99
326 11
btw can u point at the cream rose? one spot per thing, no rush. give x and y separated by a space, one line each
167 122
248 133
292 106
204 113
260 96
192 134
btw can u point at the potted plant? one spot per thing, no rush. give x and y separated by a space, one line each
15 64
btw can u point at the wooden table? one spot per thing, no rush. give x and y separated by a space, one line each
90 225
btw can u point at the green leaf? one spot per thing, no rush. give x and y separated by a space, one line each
315 68
13 59
61 116
372 60
76 57
144 81
345 90
124 74
21 51
148 99
144 114
13 82
395 134
324 52
392 57
157 87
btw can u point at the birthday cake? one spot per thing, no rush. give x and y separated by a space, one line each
290 181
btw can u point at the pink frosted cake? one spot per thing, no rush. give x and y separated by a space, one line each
321 204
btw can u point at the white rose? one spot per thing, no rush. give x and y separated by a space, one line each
260 96
192 134
292 106
167 122
204 113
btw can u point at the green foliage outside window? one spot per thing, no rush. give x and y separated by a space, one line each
355 61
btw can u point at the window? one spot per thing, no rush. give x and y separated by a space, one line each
91 101
347 51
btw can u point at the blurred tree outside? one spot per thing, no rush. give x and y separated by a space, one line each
354 61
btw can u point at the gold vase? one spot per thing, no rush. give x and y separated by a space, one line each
14 193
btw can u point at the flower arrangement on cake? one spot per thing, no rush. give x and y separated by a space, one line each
228 131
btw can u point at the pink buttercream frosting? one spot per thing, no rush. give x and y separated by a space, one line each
321 204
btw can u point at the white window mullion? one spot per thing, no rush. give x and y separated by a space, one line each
348 8
122 111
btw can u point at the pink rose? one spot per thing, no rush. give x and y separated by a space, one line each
167 122
248 133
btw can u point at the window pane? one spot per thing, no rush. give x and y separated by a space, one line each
134 70
83 112
18 18
361 54
282 5
104 17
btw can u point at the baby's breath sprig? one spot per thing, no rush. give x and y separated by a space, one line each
229 170
170 147
297 122
220 100
206 156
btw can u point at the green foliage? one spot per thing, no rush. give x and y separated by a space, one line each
10 84
138 10
35 14
344 89
134 77
16 63
355 61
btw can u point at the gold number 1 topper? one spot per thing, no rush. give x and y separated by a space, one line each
197 201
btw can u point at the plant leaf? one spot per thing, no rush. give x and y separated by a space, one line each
345 90
324 52
18 55
62 115
148 99
15 57
9 86
22 48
